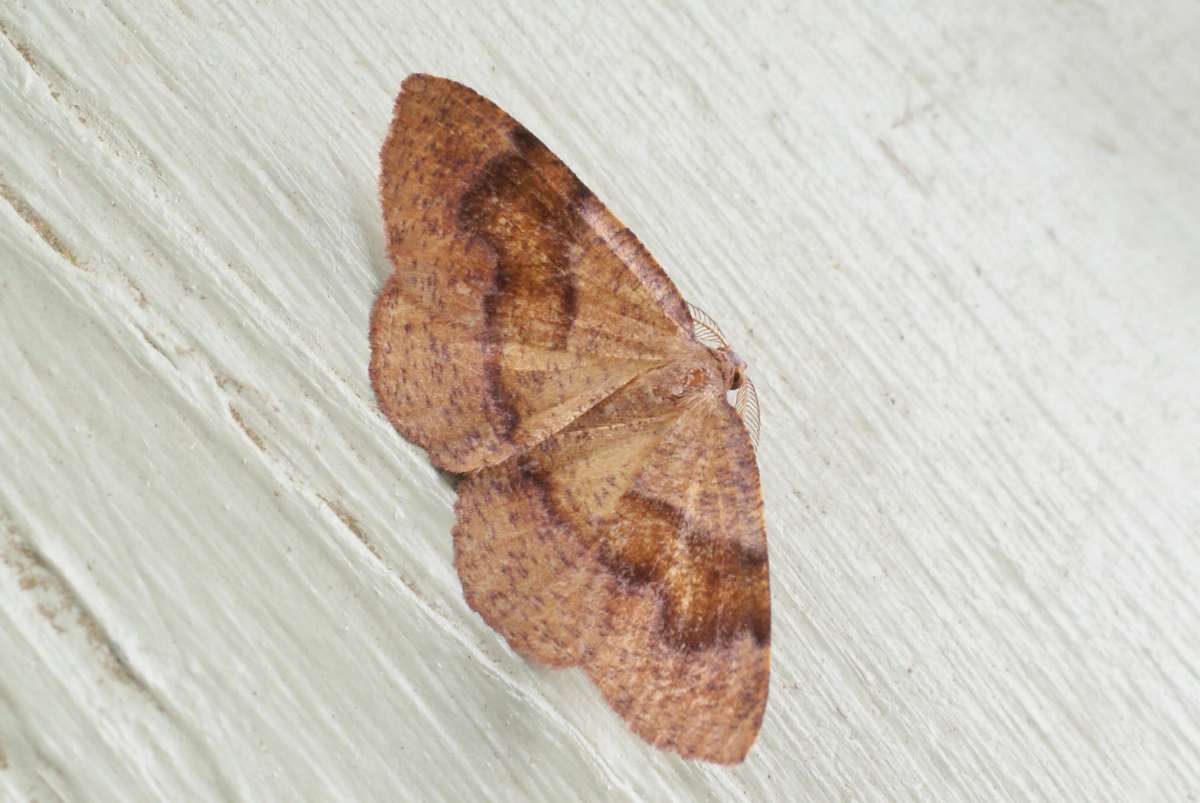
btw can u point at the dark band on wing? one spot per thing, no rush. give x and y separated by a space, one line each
533 299
712 590
623 242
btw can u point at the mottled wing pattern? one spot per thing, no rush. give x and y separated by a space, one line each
633 544
518 301
611 516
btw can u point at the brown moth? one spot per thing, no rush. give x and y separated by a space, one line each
611 515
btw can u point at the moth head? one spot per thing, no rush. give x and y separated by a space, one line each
736 370
733 369
708 334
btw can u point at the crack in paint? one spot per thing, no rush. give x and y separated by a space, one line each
254 437
352 524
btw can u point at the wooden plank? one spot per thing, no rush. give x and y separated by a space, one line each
955 242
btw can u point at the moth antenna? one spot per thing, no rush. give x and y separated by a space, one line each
705 328
746 405
746 401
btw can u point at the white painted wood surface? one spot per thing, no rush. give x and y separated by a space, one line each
956 241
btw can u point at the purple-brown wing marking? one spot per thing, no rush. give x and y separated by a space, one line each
611 516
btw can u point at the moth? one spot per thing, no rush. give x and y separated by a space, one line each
610 514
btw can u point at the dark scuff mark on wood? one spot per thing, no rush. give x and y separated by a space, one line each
254 437
139 297
228 383
39 224
26 53
65 610
59 603
154 344
352 524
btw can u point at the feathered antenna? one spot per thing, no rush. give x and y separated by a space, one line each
745 402
705 328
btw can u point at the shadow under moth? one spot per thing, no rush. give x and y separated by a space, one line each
610 515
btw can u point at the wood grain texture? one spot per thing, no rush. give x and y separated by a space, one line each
956 243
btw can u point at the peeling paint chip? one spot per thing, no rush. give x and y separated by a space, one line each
611 513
